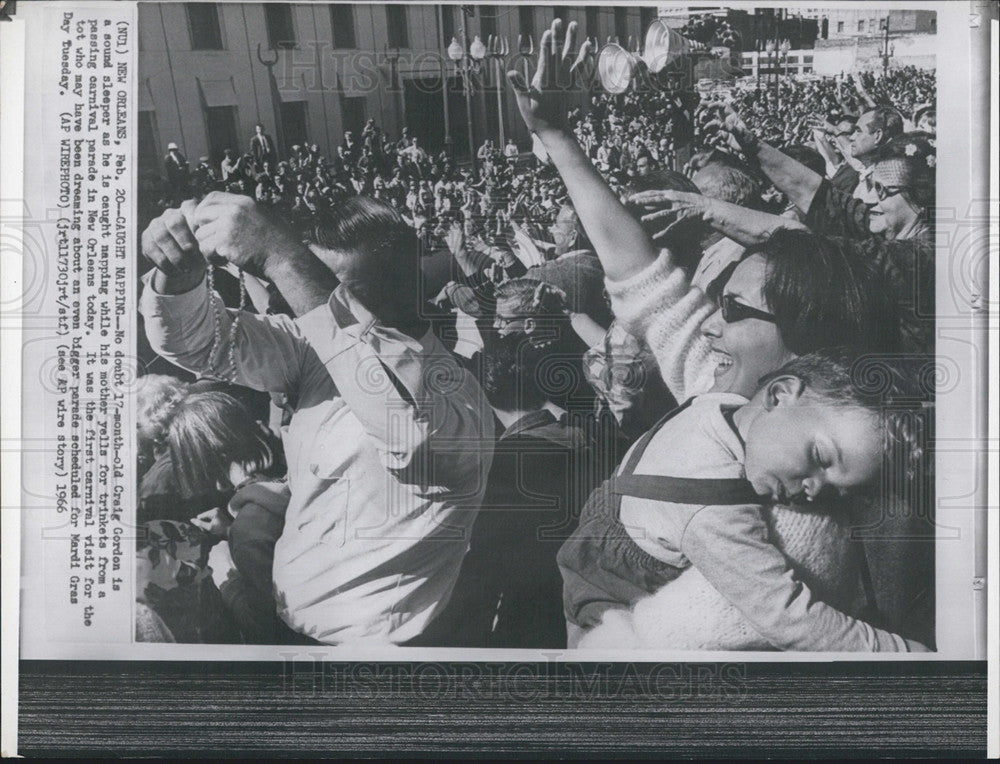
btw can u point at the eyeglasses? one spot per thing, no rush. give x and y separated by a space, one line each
883 192
502 322
733 311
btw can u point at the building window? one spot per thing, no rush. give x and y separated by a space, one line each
621 25
526 20
399 34
487 21
934 23
353 114
203 25
342 21
220 121
861 25
840 27
591 22
280 30
294 130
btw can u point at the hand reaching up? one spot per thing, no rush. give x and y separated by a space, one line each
545 102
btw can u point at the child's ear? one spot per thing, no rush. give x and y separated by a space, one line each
782 391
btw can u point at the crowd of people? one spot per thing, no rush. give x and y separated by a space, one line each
669 388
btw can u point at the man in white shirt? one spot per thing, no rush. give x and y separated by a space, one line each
390 441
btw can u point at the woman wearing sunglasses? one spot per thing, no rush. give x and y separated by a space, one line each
792 293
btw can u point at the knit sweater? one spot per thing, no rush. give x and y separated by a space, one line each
659 305
690 614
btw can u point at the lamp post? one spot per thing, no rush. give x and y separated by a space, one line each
463 63
759 51
769 49
886 51
786 46
392 57
444 85
498 50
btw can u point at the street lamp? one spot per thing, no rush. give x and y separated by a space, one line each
475 56
786 46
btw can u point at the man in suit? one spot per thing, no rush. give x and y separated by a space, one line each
262 147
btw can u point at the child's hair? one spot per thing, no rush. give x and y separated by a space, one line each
157 395
211 431
895 389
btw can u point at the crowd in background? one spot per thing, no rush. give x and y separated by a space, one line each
578 362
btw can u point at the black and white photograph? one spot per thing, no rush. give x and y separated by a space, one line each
632 347
395 332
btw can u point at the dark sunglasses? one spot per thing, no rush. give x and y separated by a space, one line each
883 192
733 311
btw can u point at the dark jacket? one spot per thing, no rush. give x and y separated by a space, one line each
509 590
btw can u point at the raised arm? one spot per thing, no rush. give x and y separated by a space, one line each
797 181
190 327
620 242
427 417
742 225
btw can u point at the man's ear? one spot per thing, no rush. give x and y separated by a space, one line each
782 391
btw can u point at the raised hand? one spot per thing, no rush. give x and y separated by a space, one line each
169 243
683 205
545 102
233 227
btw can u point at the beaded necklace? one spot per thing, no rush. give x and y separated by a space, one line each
234 327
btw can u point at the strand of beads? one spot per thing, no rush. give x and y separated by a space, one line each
216 316
229 375
235 327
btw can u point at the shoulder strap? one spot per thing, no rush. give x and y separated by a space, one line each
677 490
643 442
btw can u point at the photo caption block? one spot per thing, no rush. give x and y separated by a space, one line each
79 362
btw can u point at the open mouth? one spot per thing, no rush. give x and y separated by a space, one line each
723 361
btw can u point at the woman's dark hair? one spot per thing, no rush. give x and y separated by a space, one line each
210 431
824 293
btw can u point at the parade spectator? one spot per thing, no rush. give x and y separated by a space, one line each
339 433
262 147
